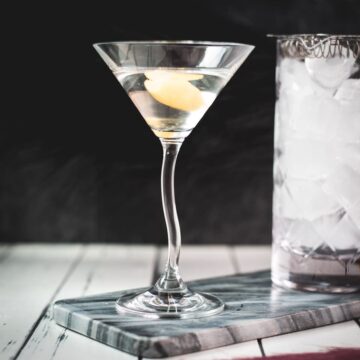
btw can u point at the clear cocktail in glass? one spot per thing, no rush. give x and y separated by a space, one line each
172 84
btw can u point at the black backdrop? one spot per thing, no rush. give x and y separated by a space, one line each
77 161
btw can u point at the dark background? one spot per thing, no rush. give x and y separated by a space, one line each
77 161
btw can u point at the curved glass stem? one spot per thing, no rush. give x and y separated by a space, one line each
170 297
170 280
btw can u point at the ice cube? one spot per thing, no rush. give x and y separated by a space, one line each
348 96
294 78
292 75
325 225
331 71
349 154
344 185
296 90
280 227
311 110
345 236
307 158
349 91
317 115
283 113
284 205
304 199
302 235
348 126
326 118
354 213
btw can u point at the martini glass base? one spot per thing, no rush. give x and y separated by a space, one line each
177 305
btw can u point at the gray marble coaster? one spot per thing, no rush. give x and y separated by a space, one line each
254 309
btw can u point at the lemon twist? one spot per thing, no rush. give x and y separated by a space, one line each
174 89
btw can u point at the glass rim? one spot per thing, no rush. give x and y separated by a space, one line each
319 35
173 42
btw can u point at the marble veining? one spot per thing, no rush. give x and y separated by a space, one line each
254 309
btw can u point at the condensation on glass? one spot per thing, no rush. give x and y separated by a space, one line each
316 202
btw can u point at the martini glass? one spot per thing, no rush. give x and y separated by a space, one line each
172 84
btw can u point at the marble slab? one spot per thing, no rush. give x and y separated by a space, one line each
254 310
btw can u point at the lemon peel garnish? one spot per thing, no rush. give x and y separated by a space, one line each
173 89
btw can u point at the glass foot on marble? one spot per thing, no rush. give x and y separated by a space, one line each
154 304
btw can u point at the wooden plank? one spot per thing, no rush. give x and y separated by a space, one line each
4 252
252 258
29 277
197 262
343 335
104 268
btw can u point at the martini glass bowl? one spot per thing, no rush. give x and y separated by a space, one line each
172 84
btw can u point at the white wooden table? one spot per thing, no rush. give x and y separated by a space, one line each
33 276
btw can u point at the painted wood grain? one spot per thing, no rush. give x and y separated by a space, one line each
5 252
252 258
103 268
343 335
29 277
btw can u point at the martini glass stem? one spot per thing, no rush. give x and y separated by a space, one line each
170 280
